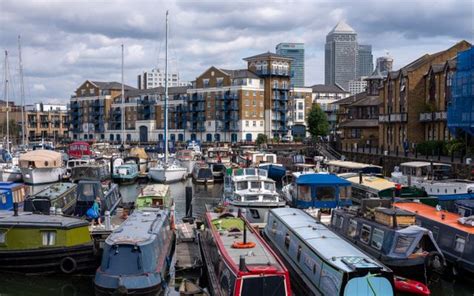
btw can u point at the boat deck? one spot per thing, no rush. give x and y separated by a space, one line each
230 230
188 254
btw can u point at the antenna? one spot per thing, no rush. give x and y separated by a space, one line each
22 94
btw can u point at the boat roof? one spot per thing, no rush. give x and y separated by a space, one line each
260 255
419 164
10 185
465 203
350 164
26 219
373 182
140 228
325 242
321 179
54 190
155 190
431 213
304 165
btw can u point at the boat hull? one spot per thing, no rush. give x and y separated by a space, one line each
8 176
275 172
167 176
42 175
257 212
149 291
50 260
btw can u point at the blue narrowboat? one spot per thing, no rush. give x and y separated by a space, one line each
318 190
321 262
88 190
465 208
10 193
136 255
276 171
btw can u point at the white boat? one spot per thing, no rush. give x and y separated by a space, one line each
42 167
255 193
187 158
11 173
168 173
202 173
194 146
218 155
435 179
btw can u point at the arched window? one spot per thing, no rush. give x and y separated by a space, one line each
180 137
208 137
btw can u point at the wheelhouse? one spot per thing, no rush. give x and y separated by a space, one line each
344 166
79 149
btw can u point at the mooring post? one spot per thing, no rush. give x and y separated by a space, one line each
189 201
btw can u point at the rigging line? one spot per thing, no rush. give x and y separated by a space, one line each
173 48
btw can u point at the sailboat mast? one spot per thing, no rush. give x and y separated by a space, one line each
166 90
6 100
22 94
122 108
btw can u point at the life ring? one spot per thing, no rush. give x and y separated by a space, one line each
68 265
242 245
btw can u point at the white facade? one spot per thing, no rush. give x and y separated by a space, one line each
156 78
40 107
357 86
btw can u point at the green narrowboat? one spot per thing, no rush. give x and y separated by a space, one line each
154 196
59 197
45 244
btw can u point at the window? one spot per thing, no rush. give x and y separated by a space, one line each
298 254
205 82
377 239
261 123
219 81
247 103
459 244
254 94
246 122
49 238
304 193
3 237
255 185
287 241
352 229
403 243
365 233
325 193
269 186
300 106
242 185
254 123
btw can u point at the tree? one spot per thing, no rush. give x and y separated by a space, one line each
318 124
14 127
261 139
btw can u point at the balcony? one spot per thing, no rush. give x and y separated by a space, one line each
426 117
394 117
439 116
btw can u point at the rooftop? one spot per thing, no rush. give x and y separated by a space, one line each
323 88
41 221
111 85
268 55
240 73
342 27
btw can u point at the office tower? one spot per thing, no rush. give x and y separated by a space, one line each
296 52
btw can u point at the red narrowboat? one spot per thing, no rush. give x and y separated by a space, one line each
79 149
238 260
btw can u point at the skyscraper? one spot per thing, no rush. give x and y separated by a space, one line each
385 63
345 59
366 61
296 52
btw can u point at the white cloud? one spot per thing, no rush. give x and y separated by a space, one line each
39 87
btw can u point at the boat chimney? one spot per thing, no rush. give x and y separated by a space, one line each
52 210
107 221
360 177
242 265
15 209
189 200
245 232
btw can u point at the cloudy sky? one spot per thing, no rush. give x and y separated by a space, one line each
65 42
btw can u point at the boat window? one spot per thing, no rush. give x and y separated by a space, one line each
377 239
263 285
287 241
251 198
242 185
3 198
271 159
352 229
269 186
345 192
255 185
268 197
362 284
459 244
3 236
341 222
298 254
325 193
333 220
365 233
274 226
49 238
304 193
250 172
403 243
255 214
123 260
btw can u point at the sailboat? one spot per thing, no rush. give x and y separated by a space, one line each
10 172
168 171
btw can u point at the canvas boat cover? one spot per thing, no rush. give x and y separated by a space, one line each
41 159
407 239
138 152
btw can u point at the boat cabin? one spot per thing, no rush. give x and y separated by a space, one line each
453 237
239 262
10 193
79 149
87 191
344 166
41 159
320 261
60 197
465 208
316 190
426 170
154 196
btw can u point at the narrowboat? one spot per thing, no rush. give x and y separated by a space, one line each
71 163
345 166
218 155
465 208
54 244
318 191
98 170
42 167
453 237
322 263
87 191
218 171
11 193
391 236
126 173
255 193
154 196
59 197
238 261
435 179
202 173
370 187
136 255
79 150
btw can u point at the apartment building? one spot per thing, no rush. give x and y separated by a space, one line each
156 78
301 101
405 95
326 96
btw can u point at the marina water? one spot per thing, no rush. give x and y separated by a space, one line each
15 285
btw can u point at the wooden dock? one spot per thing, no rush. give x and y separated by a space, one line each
188 254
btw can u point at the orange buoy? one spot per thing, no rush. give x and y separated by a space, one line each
242 245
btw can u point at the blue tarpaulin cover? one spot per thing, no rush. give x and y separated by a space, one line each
321 179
